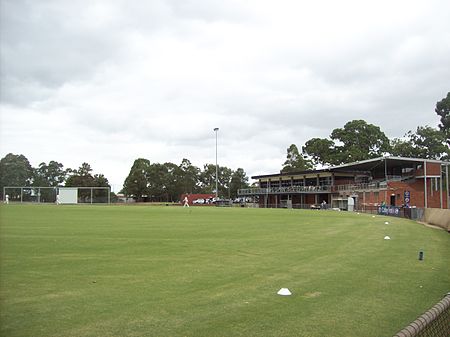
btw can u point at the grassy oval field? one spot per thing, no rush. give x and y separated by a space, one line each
206 271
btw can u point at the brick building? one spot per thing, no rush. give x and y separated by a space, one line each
395 181
198 199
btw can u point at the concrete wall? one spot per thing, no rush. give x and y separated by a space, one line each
438 217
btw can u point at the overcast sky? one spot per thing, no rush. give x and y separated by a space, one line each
107 82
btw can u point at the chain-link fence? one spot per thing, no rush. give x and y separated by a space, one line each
40 195
433 323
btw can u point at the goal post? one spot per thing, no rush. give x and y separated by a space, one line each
61 195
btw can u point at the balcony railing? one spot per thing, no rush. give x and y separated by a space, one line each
284 190
313 189
361 187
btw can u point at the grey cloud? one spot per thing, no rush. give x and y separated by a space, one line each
213 10
44 46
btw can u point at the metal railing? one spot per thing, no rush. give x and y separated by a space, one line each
312 189
284 204
361 187
284 190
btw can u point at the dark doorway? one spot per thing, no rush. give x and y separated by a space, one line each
392 200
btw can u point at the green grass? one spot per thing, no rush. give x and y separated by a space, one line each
172 271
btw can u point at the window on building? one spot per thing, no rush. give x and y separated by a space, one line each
298 182
285 183
324 181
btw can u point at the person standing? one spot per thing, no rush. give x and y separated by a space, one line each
186 202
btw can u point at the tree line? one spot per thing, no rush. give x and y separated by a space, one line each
359 140
16 170
146 181
166 182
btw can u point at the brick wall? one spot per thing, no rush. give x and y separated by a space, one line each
417 193
433 169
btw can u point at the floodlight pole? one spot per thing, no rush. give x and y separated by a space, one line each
217 167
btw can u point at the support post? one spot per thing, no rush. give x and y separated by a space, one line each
266 198
440 186
446 183
385 178
425 183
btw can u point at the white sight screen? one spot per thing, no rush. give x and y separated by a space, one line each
68 195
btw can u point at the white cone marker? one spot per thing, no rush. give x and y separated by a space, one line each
284 292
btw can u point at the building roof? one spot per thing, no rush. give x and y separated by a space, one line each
290 173
380 163
390 162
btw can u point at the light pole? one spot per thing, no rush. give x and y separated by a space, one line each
217 167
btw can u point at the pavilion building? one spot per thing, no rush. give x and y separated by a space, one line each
392 181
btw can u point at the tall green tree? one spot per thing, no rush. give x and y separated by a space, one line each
238 181
166 182
295 161
81 177
356 141
136 184
158 182
100 181
360 141
403 147
443 110
173 181
189 176
426 142
52 174
224 181
208 180
321 151
15 170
